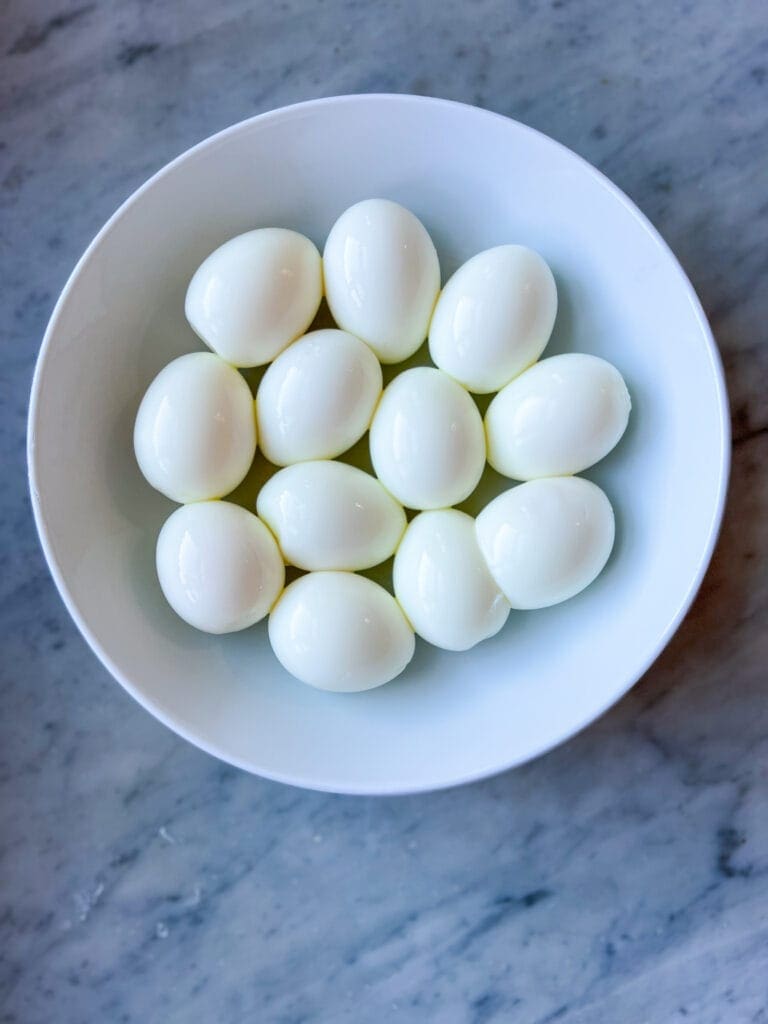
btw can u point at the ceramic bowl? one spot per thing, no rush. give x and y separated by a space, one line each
476 180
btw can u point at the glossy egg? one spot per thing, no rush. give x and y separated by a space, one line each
427 441
494 317
195 431
443 584
317 398
382 277
546 540
339 631
558 418
255 294
328 515
219 566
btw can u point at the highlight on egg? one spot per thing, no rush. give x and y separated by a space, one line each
546 540
218 566
195 430
427 440
255 294
339 631
382 277
558 418
494 317
443 584
328 515
317 398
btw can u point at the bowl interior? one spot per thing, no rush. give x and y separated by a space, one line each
476 180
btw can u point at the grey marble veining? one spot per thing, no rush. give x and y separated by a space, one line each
622 878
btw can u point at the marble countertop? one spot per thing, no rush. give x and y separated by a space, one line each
623 877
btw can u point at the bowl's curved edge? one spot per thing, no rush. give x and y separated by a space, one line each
329 785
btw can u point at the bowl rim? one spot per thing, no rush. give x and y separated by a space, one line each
328 785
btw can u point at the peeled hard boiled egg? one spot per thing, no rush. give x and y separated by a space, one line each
559 417
339 631
255 294
328 515
443 584
494 317
218 566
382 277
427 441
195 431
317 398
546 540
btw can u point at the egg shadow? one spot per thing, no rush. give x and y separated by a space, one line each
419 358
359 455
490 486
253 376
419 671
128 491
381 573
561 339
247 491
323 319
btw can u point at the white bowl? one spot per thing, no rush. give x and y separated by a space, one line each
476 179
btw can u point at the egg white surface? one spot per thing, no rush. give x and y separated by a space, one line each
195 431
427 440
317 398
382 277
218 566
328 515
494 317
546 540
558 418
255 294
339 631
443 584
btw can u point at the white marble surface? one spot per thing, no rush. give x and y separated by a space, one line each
622 878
